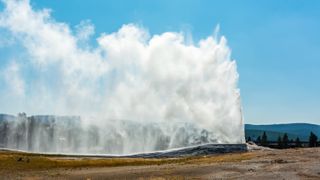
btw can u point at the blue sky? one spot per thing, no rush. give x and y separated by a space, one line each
276 44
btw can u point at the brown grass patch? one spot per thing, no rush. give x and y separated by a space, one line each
32 161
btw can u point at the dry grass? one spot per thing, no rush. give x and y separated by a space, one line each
235 157
30 161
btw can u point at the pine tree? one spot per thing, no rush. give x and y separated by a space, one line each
258 140
285 140
249 139
279 142
313 140
264 140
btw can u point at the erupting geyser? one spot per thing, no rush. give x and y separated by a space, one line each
133 92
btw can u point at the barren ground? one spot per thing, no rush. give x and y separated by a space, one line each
259 164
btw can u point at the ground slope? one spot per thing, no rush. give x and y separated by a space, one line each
256 164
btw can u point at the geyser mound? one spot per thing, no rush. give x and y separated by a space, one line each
134 92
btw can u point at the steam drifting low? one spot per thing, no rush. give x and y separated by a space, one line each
132 91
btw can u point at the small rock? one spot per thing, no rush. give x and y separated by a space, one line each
280 161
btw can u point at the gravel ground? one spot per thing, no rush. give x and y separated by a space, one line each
262 164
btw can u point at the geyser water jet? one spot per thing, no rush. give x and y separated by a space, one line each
131 92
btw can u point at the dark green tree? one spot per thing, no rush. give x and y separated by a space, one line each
298 143
285 141
264 139
249 139
313 140
279 142
258 140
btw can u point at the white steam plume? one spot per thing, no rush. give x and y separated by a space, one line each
129 75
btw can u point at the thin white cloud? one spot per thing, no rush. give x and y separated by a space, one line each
84 30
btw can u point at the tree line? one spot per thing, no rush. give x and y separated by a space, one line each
283 142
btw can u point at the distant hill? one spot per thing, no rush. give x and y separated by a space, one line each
294 130
7 117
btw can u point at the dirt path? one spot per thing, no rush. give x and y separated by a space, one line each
275 164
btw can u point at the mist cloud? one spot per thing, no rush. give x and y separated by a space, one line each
130 74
